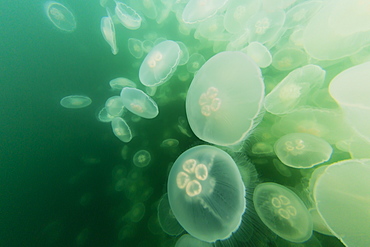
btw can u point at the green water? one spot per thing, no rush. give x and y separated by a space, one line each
56 182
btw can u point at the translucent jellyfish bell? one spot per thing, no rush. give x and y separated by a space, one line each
195 62
128 16
160 63
135 47
75 101
342 197
187 240
283 212
238 13
206 193
200 10
259 53
121 82
301 150
139 103
166 219
121 129
294 89
141 158
109 33
114 106
60 16
225 98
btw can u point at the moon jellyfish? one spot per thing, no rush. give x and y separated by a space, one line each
344 29
300 14
281 210
121 82
136 213
238 13
288 58
184 53
225 98
187 240
264 26
259 53
104 116
351 90
141 158
160 63
301 150
294 89
135 47
169 143
109 33
342 198
200 10
139 103
114 106
195 62
206 193
166 219
127 16
121 129
60 16
75 101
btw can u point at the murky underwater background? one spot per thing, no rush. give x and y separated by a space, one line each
57 180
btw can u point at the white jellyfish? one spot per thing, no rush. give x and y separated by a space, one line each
75 101
109 33
139 103
206 193
160 63
225 98
60 16
128 16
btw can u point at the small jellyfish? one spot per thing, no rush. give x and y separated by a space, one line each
104 116
206 193
141 158
75 101
265 26
288 58
212 28
294 89
136 213
109 33
301 150
281 210
147 45
160 63
121 82
238 13
135 47
301 13
139 103
259 53
225 98
121 129
200 10
60 16
195 62
114 106
169 143
166 219
128 16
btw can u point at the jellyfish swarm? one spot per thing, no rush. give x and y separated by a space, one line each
206 193
75 101
60 16
283 212
225 98
160 63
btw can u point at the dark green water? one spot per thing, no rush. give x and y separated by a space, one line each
51 157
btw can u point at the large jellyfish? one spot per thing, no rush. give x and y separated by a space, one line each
60 16
206 193
159 65
225 98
